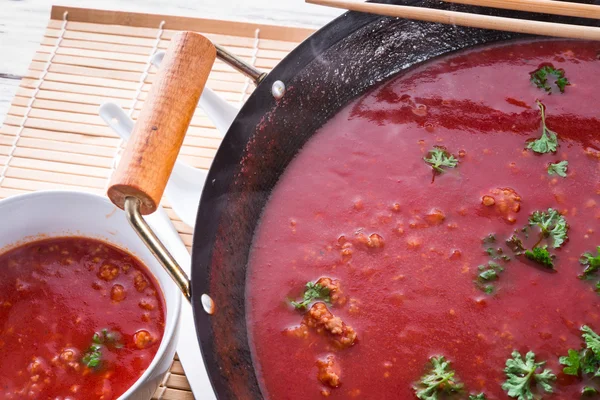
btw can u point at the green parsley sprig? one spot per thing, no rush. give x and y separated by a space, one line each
92 358
312 292
591 263
586 361
548 142
439 158
522 373
559 168
540 76
488 273
552 225
542 256
439 380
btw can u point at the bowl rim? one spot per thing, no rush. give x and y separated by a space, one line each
171 329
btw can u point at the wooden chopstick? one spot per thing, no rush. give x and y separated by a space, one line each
466 19
539 6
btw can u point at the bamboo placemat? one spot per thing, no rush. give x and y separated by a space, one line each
53 137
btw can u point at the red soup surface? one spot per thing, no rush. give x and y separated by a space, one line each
79 319
429 221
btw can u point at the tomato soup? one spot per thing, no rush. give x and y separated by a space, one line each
440 237
79 319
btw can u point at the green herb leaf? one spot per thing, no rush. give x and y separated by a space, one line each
488 275
571 363
592 339
92 356
439 158
559 168
548 142
312 292
541 256
587 360
438 381
591 263
521 373
540 76
589 391
488 289
552 225
480 396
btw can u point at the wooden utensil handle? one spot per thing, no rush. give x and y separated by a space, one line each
151 152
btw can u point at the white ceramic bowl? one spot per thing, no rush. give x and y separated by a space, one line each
65 213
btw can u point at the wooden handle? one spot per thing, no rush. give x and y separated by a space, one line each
159 131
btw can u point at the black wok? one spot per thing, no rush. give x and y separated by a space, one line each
339 62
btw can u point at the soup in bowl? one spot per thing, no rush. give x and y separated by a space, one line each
86 312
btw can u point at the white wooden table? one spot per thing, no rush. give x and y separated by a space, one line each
22 23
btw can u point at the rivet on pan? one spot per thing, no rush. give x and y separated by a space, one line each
278 89
208 304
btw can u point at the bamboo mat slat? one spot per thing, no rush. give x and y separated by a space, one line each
53 138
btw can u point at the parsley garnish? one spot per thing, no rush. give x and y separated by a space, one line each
488 273
589 391
539 77
497 254
571 362
587 360
480 396
93 356
520 374
592 339
439 158
541 256
549 140
439 380
107 337
591 263
551 224
312 292
559 168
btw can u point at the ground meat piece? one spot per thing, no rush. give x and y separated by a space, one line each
108 272
68 359
503 201
142 339
435 216
324 322
329 372
300 331
373 241
335 292
117 293
140 282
